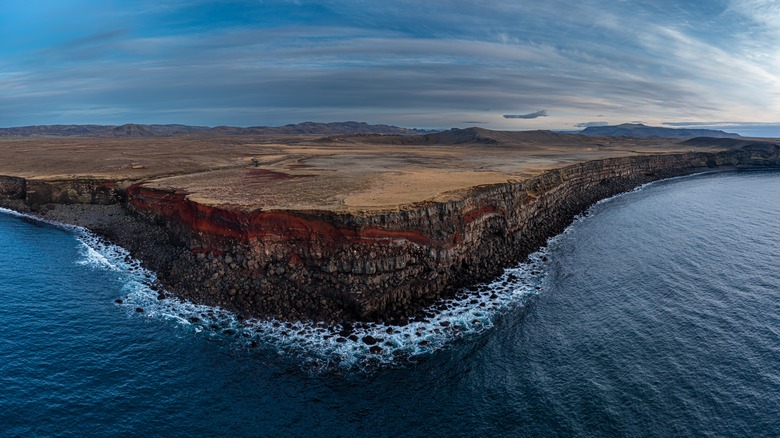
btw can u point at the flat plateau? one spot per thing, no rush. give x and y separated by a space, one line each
339 228
341 174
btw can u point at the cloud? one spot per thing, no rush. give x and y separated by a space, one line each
277 62
764 12
92 39
591 124
721 123
327 68
540 113
474 122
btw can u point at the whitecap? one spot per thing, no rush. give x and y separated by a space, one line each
93 258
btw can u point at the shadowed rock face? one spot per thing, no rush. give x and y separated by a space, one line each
332 266
13 188
70 191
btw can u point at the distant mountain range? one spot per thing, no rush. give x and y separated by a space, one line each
129 130
337 130
585 138
467 136
639 130
137 130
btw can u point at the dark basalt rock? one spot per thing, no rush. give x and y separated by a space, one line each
332 267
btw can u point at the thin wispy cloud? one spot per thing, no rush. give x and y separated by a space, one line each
590 124
764 12
401 62
721 123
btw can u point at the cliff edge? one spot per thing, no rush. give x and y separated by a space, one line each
343 264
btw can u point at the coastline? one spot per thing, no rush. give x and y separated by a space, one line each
381 267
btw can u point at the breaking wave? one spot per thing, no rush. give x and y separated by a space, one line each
315 346
320 346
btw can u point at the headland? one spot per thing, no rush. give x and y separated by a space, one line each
339 227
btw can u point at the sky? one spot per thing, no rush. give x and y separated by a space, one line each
514 65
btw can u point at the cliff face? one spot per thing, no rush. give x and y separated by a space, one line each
328 266
36 193
12 187
337 266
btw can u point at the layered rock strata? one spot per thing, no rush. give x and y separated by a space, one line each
331 266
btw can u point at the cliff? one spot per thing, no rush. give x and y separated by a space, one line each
332 266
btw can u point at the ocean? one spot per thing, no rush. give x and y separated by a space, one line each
657 313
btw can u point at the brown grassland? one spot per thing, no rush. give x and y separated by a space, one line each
354 174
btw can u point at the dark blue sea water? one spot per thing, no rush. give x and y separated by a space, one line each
657 314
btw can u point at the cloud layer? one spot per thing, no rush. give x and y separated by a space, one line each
534 115
401 62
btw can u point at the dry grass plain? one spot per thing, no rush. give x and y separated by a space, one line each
343 173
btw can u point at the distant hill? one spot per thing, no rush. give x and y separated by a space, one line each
487 136
335 128
457 136
639 130
129 130
734 143
138 130
25 131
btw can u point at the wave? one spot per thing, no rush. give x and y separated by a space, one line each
319 346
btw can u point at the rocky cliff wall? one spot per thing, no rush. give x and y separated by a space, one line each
322 265
36 193
12 187
328 266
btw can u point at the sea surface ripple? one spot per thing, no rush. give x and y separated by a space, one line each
656 313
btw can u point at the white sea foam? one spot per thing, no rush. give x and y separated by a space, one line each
94 258
55 224
318 346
